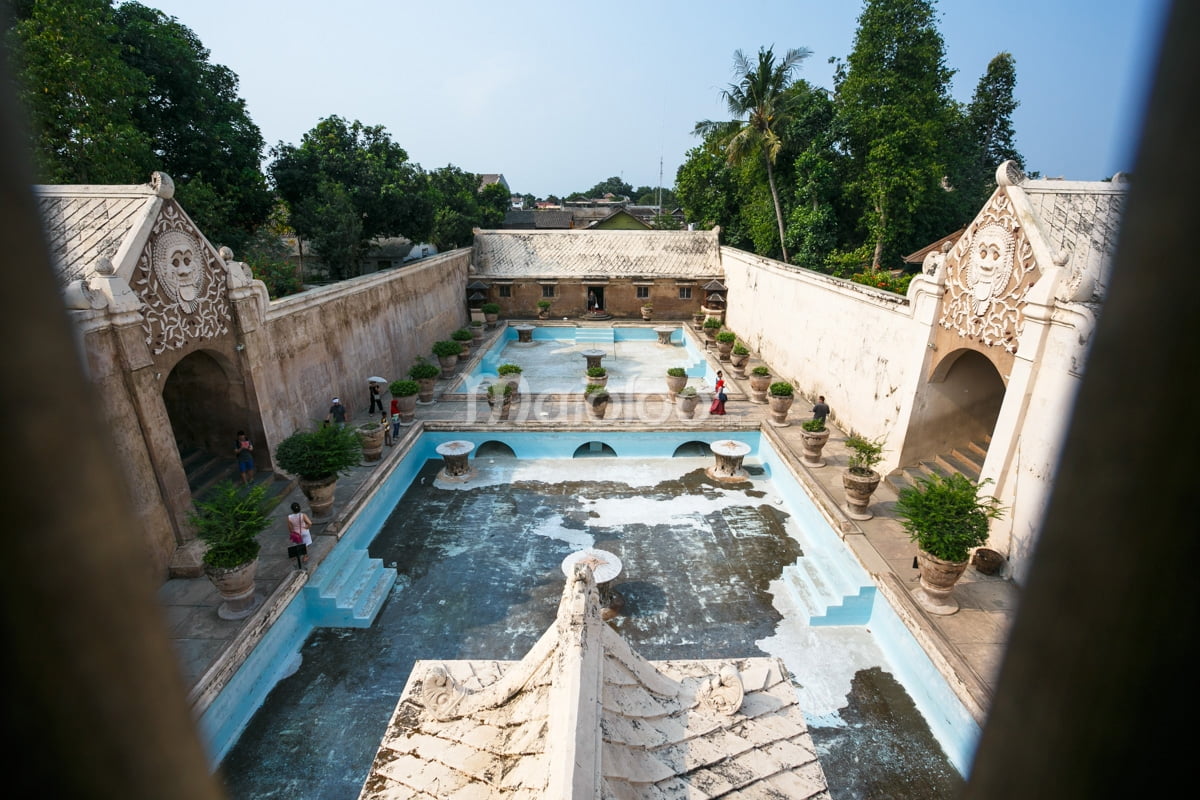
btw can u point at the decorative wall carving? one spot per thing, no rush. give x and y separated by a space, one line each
182 284
988 273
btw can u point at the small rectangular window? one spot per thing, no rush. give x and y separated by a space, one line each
643 293
685 293
505 291
547 290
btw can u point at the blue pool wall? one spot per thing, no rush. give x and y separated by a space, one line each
278 653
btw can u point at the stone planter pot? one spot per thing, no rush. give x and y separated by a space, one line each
738 360
476 334
811 444
758 388
937 583
447 363
371 436
859 489
687 405
601 381
647 313
597 408
320 494
723 351
987 561
408 409
501 406
466 350
491 320
674 385
779 409
236 587
425 395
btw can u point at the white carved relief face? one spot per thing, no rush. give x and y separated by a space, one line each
991 263
179 268
186 275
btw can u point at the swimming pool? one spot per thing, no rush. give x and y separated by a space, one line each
553 361
679 609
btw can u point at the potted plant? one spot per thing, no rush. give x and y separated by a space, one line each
711 326
597 375
500 397
647 310
425 374
739 354
725 340
697 318
780 396
463 336
316 458
688 399
511 374
760 381
407 393
371 435
476 327
491 312
860 478
597 398
229 521
447 354
676 379
814 434
543 308
946 517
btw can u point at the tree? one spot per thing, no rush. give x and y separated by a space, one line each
346 184
989 125
461 205
896 116
761 96
614 186
78 94
201 132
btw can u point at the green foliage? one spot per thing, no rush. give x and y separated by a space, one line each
676 372
490 308
346 184
594 391
317 455
990 138
423 370
844 263
267 256
713 323
726 337
864 455
229 521
508 369
688 391
614 186
815 425
500 389
882 279
761 371
781 389
740 349
446 347
946 517
543 304
404 388
596 372
462 205
462 335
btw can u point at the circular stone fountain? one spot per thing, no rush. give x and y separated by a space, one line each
728 466
593 357
664 334
524 334
605 566
455 455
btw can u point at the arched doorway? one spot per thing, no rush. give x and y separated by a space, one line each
205 401
956 409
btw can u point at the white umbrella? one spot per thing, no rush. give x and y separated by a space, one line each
376 379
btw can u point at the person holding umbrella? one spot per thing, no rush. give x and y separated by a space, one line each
376 400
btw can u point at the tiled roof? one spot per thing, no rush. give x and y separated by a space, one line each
590 252
584 716
87 223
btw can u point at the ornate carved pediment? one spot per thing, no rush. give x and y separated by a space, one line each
181 281
988 273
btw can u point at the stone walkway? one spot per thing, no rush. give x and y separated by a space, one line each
966 646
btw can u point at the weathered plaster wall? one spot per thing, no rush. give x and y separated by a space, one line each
327 341
859 347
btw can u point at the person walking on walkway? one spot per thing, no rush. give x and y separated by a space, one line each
299 528
719 397
820 410
243 450
376 400
337 412
395 420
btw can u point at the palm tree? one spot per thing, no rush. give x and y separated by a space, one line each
761 105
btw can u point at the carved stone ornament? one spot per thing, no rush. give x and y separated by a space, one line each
181 283
723 692
988 273
441 694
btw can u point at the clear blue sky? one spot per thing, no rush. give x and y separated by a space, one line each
558 97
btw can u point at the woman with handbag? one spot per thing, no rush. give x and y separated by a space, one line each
299 527
718 403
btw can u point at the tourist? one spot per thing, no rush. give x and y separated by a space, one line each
376 400
719 396
337 412
395 412
243 450
820 410
299 528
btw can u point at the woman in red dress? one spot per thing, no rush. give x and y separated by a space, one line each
718 403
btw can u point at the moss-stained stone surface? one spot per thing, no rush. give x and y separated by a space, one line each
480 578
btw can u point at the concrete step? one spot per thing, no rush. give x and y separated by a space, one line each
826 595
348 592
966 459
594 336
